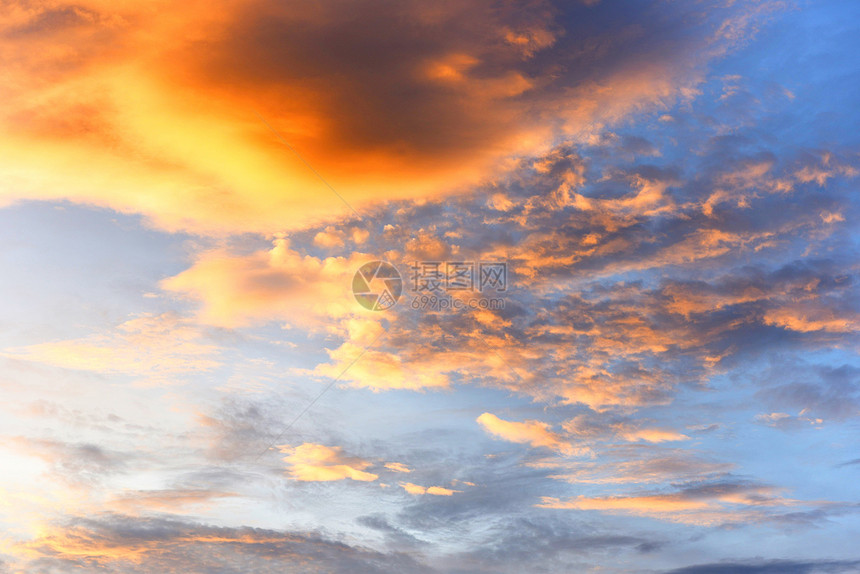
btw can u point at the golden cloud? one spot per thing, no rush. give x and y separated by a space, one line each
318 463
657 504
165 500
152 108
152 346
708 505
434 490
534 433
277 284
650 435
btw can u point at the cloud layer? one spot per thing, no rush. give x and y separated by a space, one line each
668 382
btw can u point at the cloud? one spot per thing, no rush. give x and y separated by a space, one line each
635 465
434 490
79 464
118 98
135 545
317 463
785 420
652 435
381 369
654 504
534 433
166 500
239 424
511 545
586 216
815 392
812 318
277 284
672 276
156 347
772 567
398 537
821 166
709 504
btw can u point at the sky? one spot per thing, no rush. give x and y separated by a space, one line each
456 287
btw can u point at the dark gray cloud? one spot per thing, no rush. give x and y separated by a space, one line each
561 545
120 544
372 67
773 567
396 538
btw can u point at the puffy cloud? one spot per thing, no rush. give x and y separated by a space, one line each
382 370
278 284
119 96
315 462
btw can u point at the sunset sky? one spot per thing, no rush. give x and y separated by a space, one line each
669 383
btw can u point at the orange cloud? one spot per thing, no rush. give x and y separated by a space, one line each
317 463
165 500
587 427
434 490
281 284
534 433
381 370
154 346
278 284
414 367
662 466
651 435
636 504
810 318
708 505
152 108
88 541
397 467
170 544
